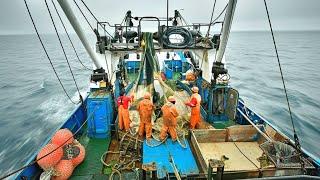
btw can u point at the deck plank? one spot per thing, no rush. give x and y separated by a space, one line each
237 161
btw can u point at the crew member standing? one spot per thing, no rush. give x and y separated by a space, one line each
145 109
194 103
170 115
123 111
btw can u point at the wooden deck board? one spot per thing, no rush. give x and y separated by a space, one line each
237 161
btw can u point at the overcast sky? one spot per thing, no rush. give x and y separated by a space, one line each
249 15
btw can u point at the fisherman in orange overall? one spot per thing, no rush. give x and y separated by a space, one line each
123 111
170 115
145 109
195 107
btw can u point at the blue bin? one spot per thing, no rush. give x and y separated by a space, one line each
100 114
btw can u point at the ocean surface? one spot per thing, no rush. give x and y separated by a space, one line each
33 105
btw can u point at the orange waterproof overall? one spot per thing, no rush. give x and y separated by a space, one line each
195 103
145 108
170 115
123 112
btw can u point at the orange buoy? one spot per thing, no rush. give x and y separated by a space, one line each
77 160
62 136
63 170
52 159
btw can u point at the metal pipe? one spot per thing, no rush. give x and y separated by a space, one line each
255 126
226 29
167 13
77 27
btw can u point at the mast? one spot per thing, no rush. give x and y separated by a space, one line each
76 26
226 29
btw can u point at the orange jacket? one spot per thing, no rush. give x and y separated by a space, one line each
124 100
195 103
170 114
145 108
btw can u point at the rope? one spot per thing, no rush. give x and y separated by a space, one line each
83 15
224 9
46 52
65 30
35 161
247 157
156 145
187 37
95 17
296 139
213 8
64 52
105 58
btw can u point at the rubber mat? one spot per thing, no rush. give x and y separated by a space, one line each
91 165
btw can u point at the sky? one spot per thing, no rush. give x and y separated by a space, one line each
250 15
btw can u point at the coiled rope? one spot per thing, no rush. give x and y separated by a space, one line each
186 34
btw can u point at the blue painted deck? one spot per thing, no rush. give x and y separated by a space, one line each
183 158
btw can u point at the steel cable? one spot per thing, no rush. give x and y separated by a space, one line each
65 30
213 8
95 17
83 15
296 139
46 52
105 58
64 52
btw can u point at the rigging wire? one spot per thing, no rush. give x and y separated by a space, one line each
105 58
213 8
95 17
85 17
65 55
65 30
296 139
212 22
46 52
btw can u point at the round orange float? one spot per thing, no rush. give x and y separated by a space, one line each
63 170
62 136
52 159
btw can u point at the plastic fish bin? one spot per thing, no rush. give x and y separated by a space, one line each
100 114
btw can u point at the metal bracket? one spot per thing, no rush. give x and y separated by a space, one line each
214 163
149 169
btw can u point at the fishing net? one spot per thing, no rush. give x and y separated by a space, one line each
166 89
281 154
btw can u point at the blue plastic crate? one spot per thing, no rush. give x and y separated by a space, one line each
100 107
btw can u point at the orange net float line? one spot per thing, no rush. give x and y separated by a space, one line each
63 170
51 159
61 136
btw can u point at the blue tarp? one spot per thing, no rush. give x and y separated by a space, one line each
183 158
